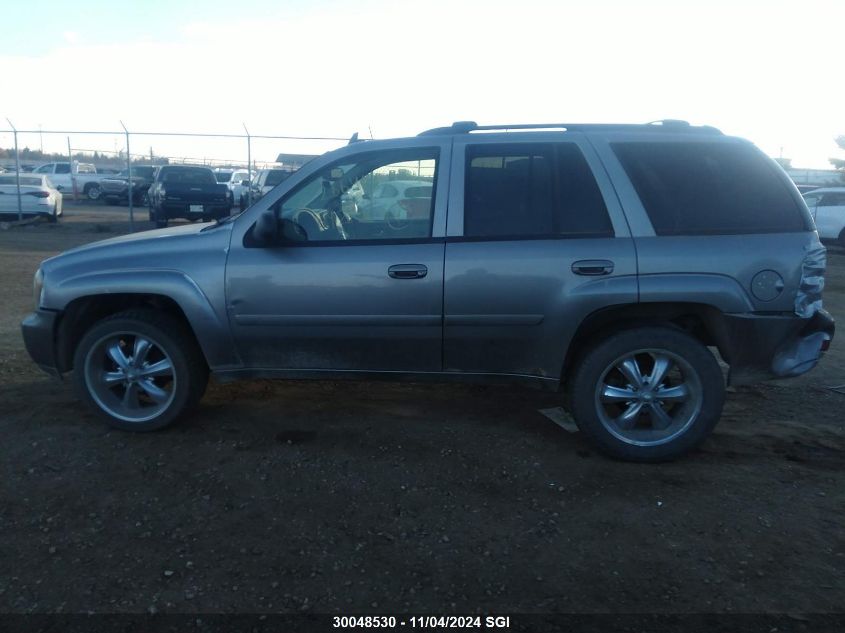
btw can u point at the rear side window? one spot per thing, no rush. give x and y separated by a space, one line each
532 190
699 188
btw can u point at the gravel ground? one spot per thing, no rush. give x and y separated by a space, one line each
355 497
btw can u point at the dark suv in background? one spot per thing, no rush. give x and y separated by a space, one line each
608 262
115 189
191 193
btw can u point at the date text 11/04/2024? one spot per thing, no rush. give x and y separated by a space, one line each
422 622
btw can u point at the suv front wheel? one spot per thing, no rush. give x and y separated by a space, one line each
139 370
647 394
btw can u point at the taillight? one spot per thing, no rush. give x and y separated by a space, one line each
38 194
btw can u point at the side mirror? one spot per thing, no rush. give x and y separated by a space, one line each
267 228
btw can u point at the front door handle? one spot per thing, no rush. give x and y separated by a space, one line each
592 267
407 271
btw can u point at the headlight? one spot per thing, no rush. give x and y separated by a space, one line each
37 287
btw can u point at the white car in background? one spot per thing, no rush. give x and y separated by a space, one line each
396 201
38 196
64 175
234 179
827 206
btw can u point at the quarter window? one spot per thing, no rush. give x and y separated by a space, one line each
706 188
532 190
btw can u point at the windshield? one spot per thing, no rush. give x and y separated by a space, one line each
275 176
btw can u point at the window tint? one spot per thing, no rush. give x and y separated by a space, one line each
832 200
223 176
188 175
62 168
276 176
525 190
700 188
337 204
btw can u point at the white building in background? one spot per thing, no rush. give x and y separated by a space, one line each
817 177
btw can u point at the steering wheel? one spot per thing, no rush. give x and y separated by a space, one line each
309 222
394 223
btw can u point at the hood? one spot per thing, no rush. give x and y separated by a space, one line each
160 248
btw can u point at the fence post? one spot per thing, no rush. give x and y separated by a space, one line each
248 166
72 175
17 170
129 185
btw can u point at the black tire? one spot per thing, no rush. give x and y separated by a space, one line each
53 218
841 240
154 217
189 370
92 191
699 373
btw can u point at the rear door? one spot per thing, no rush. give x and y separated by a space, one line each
536 241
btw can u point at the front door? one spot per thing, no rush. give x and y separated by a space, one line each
341 289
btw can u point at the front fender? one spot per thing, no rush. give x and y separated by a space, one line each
210 325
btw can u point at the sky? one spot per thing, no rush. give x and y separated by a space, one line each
768 71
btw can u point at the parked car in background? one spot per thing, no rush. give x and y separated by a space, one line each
115 189
192 193
395 201
38 196
264 181
599 261
235 179
62 175
827 205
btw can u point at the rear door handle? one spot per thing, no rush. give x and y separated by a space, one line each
407 271
592 267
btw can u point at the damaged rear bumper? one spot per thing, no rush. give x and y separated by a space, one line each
760 347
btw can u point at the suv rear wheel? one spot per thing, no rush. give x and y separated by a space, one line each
647 394
139 370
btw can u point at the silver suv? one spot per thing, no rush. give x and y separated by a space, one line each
601 261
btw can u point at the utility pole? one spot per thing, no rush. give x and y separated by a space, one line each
17 170
129 186
248 162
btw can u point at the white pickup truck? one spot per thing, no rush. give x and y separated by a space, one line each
62 175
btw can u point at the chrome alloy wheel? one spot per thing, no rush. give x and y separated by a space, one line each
130 376
648 397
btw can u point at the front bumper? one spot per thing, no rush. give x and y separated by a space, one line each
39 337
760 347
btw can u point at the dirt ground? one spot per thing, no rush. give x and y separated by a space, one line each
348 497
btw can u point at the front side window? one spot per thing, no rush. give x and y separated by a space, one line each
337 204
62 168
44 169
532 190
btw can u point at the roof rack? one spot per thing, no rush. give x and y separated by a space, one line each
465 127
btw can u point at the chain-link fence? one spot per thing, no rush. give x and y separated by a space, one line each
75 161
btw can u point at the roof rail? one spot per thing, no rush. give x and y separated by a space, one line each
464 127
